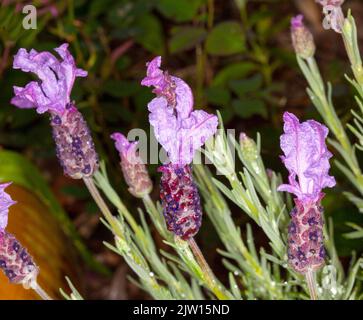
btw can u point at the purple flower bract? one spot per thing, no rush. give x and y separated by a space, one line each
306 157
52 92
5 203
179 129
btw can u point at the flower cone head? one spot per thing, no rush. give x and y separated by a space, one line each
305 237
180 200
74 144
15 261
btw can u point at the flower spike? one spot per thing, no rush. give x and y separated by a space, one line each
306 157
74 144
180 131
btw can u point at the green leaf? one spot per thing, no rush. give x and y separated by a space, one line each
227 114
179 10
150 34
225 39
243 87
98 7
246 108
233 71
218 96
186 38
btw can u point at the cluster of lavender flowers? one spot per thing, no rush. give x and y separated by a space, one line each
181 131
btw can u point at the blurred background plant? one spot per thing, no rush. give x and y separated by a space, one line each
237 57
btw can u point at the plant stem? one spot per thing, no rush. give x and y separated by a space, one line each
310 280
207 272
39 290
99 200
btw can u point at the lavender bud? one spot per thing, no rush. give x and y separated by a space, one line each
251 154
74 145
137 178
302 39
248 147
15 261
180 200
305 237
133 169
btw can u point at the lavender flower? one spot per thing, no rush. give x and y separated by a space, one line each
302 39
180 131
306 157
15 261
134 170
75 148
334 17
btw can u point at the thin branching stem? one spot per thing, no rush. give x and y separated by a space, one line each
100 202
208 274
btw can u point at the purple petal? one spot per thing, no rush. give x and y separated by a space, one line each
336 3
297 22
165 126
306 157
56 77
179 129
153 74
180 137
194 133
184 98
5 203
124 146
175 90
